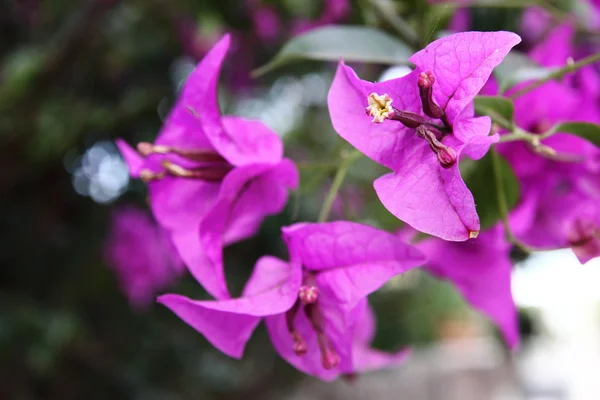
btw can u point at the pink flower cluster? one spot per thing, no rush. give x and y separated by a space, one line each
212 180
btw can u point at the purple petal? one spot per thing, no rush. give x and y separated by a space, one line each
349 285
323 246
474 132
132 158
227 331
248 194
365 325
389 143
461 64
267 195
238 140
430 198
183 127
228 324
179 203
480 269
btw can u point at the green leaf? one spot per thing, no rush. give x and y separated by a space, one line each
518 67
501 109
332 43
585 130
479 177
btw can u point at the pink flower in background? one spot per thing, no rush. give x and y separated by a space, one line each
265 19
315 305
212 179
419 125
141 255
334 11
480 270
565 169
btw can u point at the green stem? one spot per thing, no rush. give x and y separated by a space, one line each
338 180
520 134
558 74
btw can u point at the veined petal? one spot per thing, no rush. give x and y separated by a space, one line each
461 64
340 244
247 195
431 199
267 195
390 142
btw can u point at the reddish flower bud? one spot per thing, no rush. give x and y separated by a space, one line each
446 156
430 108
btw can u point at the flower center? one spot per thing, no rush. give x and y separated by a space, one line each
380 108
308 296
214 171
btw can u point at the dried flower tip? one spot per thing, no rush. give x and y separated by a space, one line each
145 148
430 108
214 173
446 156
473 234
329 358
148 176
380 107
308 294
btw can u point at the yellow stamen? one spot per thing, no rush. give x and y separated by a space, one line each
380 107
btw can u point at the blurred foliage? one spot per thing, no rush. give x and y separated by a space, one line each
75 73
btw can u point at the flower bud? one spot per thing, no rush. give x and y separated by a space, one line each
430 108
446 156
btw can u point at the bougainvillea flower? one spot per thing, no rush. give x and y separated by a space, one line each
265 19
212 179
419 125
141 254
560 210
480 270
315 305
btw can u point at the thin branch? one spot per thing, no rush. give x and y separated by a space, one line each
338 180
558 74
